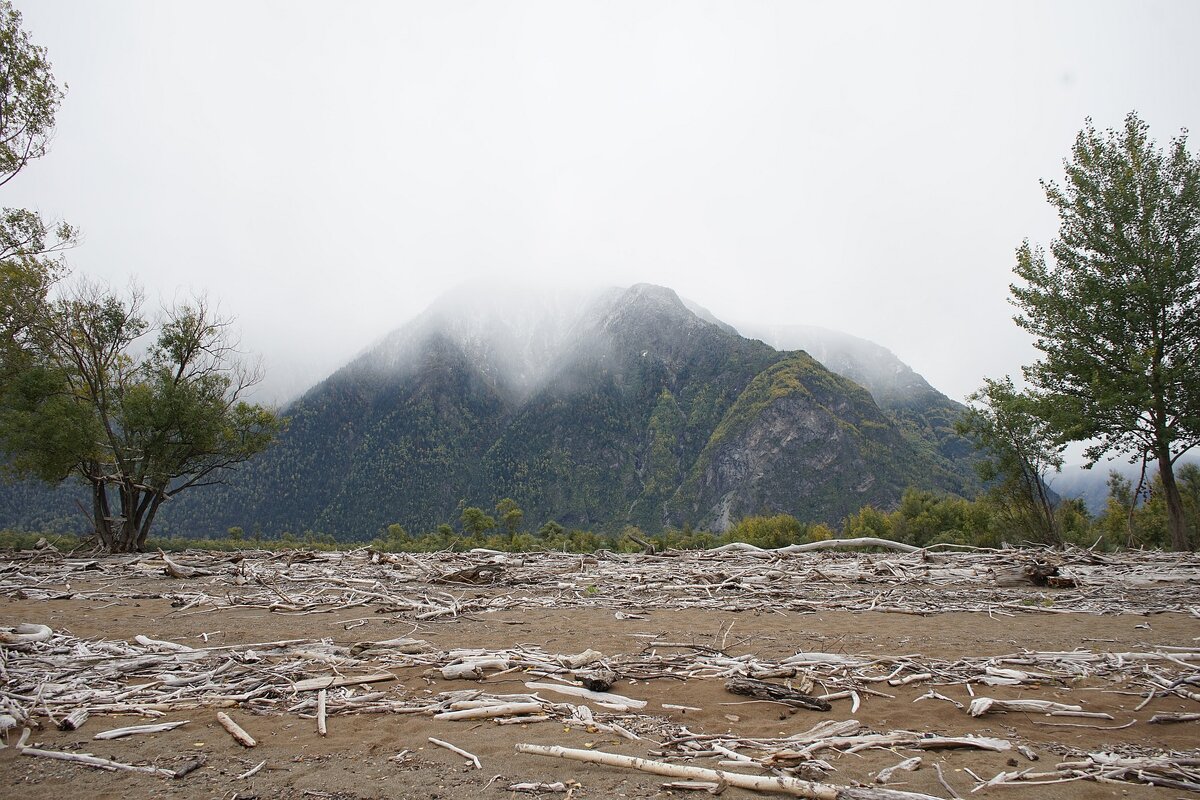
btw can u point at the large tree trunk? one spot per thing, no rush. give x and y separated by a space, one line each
1176 524
147 520
101 518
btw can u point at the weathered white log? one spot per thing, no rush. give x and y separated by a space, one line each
983 705
579 691
137 730
176 570
1161 719
26 633
321 697
908 765
146 641
472 670
784 785
90 760
808 547
236 731
839 544
469 756
581 659
491 712
334 681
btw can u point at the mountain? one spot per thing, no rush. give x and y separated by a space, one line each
594 409
924 415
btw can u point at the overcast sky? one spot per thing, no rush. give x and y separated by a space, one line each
326 170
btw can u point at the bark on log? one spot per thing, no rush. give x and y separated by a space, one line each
761 690
758 783
73 721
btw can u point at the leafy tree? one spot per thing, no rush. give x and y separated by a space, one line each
475 522
1019 448
1116 313
29 96
551 530
867 522
510 515
29 101
137 421
30 257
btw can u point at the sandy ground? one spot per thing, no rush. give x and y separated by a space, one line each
353 760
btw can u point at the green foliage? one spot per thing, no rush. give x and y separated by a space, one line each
867 522
137 424
510 515
29 96
1019 445
926 518
475 522
1116 314
779 530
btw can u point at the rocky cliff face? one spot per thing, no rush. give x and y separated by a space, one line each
799 440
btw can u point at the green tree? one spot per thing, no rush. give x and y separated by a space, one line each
29 96
475 522
510 515
30 250
139 422
1116 313
29 100
1019 448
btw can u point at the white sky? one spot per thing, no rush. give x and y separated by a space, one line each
326 170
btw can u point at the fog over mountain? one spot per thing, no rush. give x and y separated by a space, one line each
593 407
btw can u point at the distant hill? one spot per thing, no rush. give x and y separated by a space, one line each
594 409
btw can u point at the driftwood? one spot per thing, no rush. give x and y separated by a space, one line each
61 677
334 681
826 544
474 759
87 759
236 731
783 785
587 694
73 721
26 633
762 690
136 730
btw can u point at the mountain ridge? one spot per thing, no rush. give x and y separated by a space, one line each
594 409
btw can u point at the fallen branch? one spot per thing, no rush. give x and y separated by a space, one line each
236 731
474 759
135 730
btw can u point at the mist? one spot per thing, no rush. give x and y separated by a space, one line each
328 172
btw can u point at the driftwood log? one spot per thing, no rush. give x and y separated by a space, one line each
758 783
761 690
